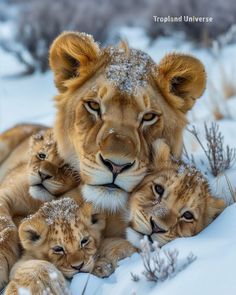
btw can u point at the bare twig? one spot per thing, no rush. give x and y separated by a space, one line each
160 265
189 158
231 189
220 157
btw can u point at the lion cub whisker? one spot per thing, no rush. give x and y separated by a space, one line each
174 200
67 238
44 176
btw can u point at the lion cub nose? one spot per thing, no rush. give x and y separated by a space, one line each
156 229
115 168
78 267
44 176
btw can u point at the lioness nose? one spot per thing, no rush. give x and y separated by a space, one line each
44 176
115 168
156 229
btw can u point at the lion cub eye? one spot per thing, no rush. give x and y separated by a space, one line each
93 107
41 156
159 189
188 215
84 242
58 250
149 118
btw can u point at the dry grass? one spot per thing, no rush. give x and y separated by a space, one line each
231 188
160 265
220 157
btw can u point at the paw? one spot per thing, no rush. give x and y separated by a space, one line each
37 277
4 271
9 252
103 268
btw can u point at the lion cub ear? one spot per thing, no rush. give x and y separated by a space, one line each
161 154
215 207
181 79
32 231
70 55
97 220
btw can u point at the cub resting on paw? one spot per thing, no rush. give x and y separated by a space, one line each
44 176
173 201
61 239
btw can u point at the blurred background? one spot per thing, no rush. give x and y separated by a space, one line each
28 27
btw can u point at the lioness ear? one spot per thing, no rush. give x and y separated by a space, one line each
181 79
215 207
70 55
32 231
161 154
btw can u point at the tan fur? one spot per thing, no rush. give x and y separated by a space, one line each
110 252
10 141
180 75
116 132
16 201
185 189
12 137
65 224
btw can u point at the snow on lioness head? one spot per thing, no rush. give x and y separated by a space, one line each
113 103
65 234
173 201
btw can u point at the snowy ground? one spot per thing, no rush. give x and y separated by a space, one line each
29 99
211 273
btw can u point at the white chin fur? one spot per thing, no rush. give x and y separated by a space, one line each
104 198
133 237
40 194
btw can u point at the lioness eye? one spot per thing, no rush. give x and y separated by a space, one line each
84 242
58 250
42 156
93 106
159 189
188 215
149 118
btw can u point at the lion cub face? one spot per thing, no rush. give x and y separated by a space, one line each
173 201
65 234
49 176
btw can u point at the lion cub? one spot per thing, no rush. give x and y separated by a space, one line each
43 177
61 239
173 201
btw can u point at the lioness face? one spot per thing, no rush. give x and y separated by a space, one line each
64 234
113 104
171 202
49 176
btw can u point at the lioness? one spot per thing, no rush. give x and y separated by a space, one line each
63 233
43 177
113 103
173 201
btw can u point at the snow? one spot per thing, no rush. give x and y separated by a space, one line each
64 209
129 70
23 291
29 99
211 273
